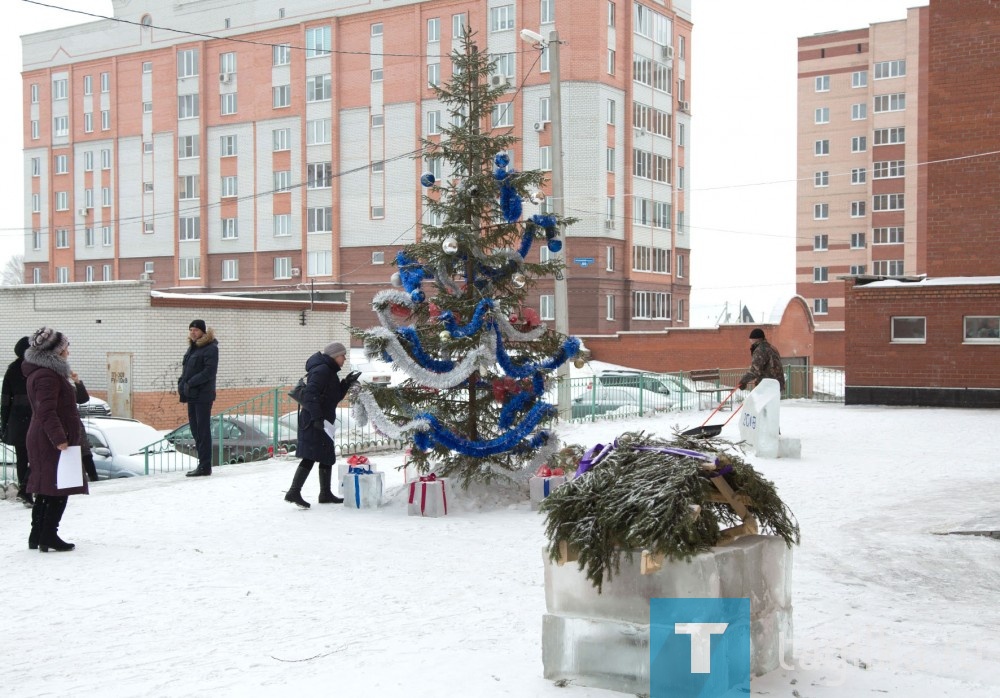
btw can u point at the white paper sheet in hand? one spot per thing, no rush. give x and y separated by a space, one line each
70 471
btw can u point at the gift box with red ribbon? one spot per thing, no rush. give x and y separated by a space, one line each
354 461
362 488
544 483
428 497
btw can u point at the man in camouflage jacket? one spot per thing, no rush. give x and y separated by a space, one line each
765 362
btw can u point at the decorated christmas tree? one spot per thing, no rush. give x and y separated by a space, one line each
457 323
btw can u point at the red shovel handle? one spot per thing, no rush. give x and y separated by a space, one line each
724 401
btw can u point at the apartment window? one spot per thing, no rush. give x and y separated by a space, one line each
148 227
858 175
318 42
433 30
433 165
105 82
661 261
909 330
888 267
36 275
545 254
281 54
59 89
611 61
501 18
611 14
147 107
147 267
821 212
433 123
857 241
319 175
88 122
610 259
34 133
502 115
857 269
229 186
105 196
187 107
543 61
62 201
320 263
187 187
282 267
888 236
609 307
821 306
983 329
859 111
857 209
147 147
36 167
36 203
378 257
61 164
147 67
318 132
890 136
888 169
821 274
609 212
319 220
822 115
458 26
892 102
227 146
548 11
611 111
821 178
60 126
822 83
282 225
228 103
187 63
649 305
189 267
90 273
189 228
282 139
227 62
230 229
62 238
230 270
105 158
378 166
504 65
859 79
318 88
88 198
545 158
281 96
377 212
642 256
681 139
106 120
888 202
609 160
377 75
434 74
62 275
36 240
680 178
680 269
547 307
821 242
377 29
859 144
107 236
34 93
821 147
890 69
187 147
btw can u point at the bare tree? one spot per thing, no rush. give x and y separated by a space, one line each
13 271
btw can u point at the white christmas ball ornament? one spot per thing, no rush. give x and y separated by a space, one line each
395 280
450 246
537 197
518 280
445 336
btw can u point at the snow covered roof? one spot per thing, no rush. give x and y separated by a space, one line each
941 281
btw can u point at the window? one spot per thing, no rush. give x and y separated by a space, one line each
319 175
501 18
821 242
545 158
227 146
858 175
888 169
230 229
90 273
821 212
377 212
822 115
890 69
433 30
187 107
857 269
62 164
148 228
36 203
681 140
36 167
88 161
887 236
229 186
680 270
859 79
230 270
609 307
318 88
650 305
228 103
105 82
661 261
821 274
282 267
377 75
859 111
34 92
147 147
318 42
433 165
610 261
611 14
319 220
227 62
62 201
859 144
282 225
62 275
888 202
88 198
893 102
187 146
857 241
642 257
434 74
107 236
147 267
281 96
982 329
889 136
821 147
611 61
59 89
433 123
88 122
547 307
378 257
822 83
34 133
609 160
62 238
888 267
147 107
378 166
821 306
548 11
147 67
281 54
502 115
318 132
282 139
543 62
105 119
105 158
36 240
909 330
857 209
189 267
377 29
320 263
187 187
821 178
458 26
189 228
187 63
378 120
105 196
609 212
612 111
60 126
504 65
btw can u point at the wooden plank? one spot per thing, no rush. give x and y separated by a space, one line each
567 553
650 562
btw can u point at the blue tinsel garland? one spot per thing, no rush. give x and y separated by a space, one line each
513 406
569 349
526 240
471 327
436 365
510 203
437 433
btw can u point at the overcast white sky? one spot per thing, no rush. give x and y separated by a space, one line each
742 143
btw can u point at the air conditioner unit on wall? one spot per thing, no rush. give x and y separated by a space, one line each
684 105
609 225
225 78
81 212
498 81
539 126
296 271
667 52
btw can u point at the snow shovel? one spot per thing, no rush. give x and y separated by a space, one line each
714 429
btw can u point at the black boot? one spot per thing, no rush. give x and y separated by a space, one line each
294 494
25 497
37 516
200 471
326 495
50 540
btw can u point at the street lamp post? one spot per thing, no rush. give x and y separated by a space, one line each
560 291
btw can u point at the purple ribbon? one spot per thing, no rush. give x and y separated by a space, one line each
597 453
592 457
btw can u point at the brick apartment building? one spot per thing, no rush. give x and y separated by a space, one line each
267 145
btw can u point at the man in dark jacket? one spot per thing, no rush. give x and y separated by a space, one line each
15 417
196 387
765 362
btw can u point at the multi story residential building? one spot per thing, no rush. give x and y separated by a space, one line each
861 203
215 146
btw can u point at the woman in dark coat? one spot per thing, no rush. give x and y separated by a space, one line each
55 426
15 416
323 392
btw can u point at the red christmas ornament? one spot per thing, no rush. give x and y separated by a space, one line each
531 317
399 311
544 471
557 471
433 311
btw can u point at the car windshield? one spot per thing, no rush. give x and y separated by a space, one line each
133 439
265 425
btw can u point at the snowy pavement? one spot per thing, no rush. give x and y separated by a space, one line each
217 586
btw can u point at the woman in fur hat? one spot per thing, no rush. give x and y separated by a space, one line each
55 426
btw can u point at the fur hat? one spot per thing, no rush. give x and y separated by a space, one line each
757 333
200 324
334 349
22 346
49 340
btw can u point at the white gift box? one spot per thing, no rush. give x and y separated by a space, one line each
363 490
342 469
541 487
427 498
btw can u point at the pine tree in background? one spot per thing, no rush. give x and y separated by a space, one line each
457 325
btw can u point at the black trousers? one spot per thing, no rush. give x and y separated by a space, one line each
21 454
200 417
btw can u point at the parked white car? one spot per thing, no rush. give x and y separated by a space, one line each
117 444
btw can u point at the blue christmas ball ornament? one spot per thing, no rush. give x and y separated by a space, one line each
554 245
502 159
417 296
480 282
499 174
427 179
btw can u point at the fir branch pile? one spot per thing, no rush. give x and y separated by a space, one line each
634 500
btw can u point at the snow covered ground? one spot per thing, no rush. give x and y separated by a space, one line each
218 587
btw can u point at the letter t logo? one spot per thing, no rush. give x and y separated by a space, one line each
701 643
